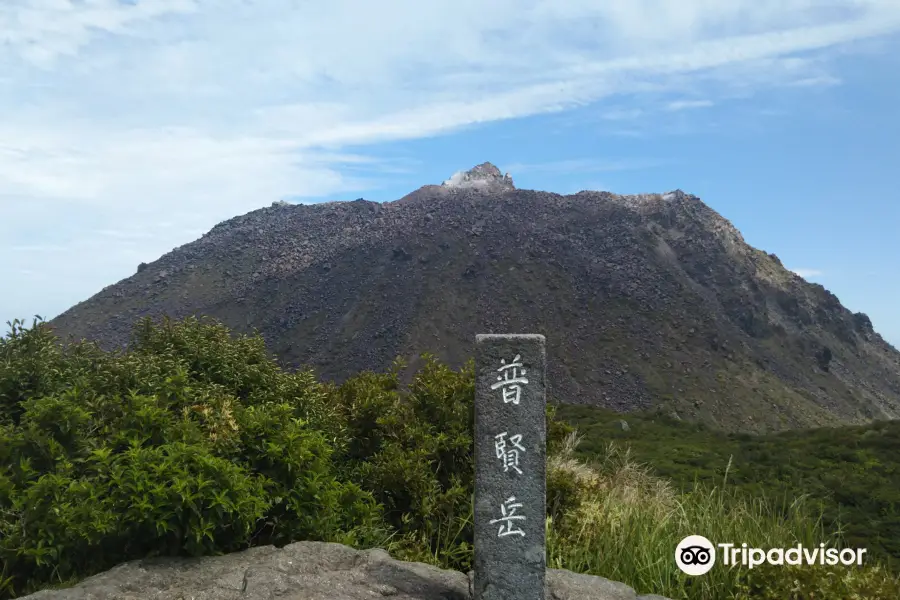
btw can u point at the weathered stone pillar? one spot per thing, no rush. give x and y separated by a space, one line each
510 467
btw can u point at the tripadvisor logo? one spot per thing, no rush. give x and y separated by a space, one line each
696 555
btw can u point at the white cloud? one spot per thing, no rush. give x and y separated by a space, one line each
622 114
119 116
808 273
677 105
818 80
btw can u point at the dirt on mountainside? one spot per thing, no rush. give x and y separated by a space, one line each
648 300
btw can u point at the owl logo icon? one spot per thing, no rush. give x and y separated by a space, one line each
695 555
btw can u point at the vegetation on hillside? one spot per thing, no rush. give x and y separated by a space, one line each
194 442
850 475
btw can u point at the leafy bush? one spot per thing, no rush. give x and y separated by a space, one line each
414 450
190 443
195 442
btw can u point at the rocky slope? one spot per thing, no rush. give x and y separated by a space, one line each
649 300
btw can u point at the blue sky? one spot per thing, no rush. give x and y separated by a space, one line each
129 128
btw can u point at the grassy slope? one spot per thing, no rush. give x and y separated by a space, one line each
853 472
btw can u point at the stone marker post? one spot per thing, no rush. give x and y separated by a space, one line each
510 467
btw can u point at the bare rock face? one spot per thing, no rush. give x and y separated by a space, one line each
307 571
484 176
646 301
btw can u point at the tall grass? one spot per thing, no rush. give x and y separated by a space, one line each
628 523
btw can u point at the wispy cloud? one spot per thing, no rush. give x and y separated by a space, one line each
819 80
622 114
688 104
808 273
125 113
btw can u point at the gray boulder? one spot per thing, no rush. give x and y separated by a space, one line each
307 571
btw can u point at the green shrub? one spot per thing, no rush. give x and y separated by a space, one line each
414 450
190 443
195 442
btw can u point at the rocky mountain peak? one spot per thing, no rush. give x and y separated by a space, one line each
485 176
651 300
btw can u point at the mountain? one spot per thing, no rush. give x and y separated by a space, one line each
646 301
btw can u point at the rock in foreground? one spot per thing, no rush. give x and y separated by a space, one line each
307 571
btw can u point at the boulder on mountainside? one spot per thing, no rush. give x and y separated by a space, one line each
307 571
